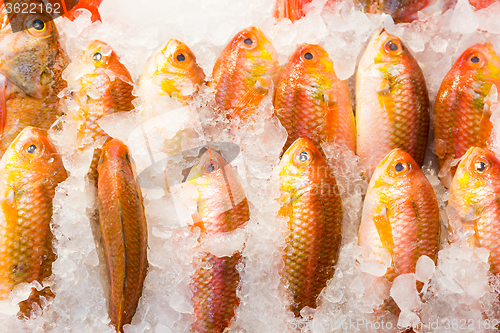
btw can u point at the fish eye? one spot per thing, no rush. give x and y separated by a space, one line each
480 166
248 41
308 56
399 167
31 149
211 166
97 56
393 46
181 57
303 156
475 59
38 25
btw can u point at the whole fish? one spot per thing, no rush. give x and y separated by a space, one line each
400 215
290 9
172 71
400 10
124 231
312 102
101 85
392 103
222 207
30 170
474 207
245 72
311 203
462 110
31 66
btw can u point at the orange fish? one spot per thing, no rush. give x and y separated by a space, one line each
91 5
173 71
222 207
462 110
123 231
311 203
31 66
474 205
312 102
104 88
245 72
392 103
30 170
400 10
400 215
290 9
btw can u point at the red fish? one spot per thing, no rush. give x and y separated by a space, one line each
90 5
290 9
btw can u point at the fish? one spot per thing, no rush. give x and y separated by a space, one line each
400 216
312 102
91 5
392 103
474 203
30 171
402 11
100 85
246 71
31 66
311 203
124 231
222 208
462 108
480 4
172 71
290 9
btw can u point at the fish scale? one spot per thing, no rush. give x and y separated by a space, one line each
221 207
123 232
460 121
400 215
113 83
28 187
244 74
392 103
311 204
474 203
301 102
32 63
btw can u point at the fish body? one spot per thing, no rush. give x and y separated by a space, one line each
312 102
30 170
123 232
400 10
311 203
245 72
104 88
392 103
222 208
474 204
462 109
400 215
172 71
290 9
31 66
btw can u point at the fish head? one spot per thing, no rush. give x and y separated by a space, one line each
302 162
397 169
313 58
481 61
27 56
175 70
115 154
97 59
478 169
32 151
386 49
209 162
